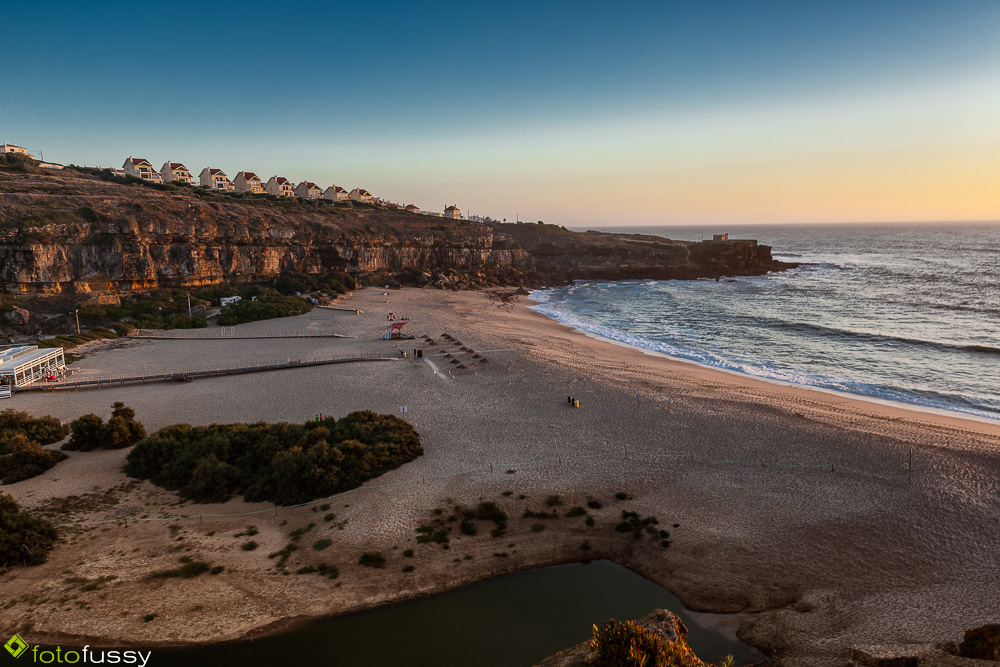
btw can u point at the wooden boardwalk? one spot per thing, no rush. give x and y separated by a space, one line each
189 375
248 336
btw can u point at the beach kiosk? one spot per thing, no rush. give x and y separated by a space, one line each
21 365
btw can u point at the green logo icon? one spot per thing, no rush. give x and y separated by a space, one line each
16 646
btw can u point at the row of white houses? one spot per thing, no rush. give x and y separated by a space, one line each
247 181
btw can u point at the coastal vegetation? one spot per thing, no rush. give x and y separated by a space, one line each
21 440
89 432
24 539
290 282
282 463
264 308
158 309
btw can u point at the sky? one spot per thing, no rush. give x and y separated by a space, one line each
574 113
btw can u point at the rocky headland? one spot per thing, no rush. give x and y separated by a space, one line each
73 231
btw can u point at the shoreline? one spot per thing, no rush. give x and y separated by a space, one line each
891 409
886 402
763 540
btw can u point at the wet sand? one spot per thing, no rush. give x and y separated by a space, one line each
816 559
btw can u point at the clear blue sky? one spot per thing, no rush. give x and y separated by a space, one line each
575 112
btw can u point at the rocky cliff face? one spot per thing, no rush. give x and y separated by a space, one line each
663 622
72 232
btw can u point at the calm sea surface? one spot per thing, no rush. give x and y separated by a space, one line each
908 313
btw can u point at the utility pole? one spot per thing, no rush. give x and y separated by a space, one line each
189 306
77 313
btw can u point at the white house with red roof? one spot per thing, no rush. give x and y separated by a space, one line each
175 171
308 190
141 168
362 195
215 179
279 186
335 193
247 181
453 212
13 148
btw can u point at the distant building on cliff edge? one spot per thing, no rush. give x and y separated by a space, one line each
215 179
141 168
279 186
247 181
720 237
308 190
13 148
453 212
362 195
175 171
410 208
335 193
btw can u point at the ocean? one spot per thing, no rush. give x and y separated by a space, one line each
902 312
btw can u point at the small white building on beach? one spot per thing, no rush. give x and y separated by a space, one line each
21 365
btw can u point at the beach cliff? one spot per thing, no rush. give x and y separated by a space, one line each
75 232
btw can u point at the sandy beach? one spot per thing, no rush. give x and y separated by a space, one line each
807 524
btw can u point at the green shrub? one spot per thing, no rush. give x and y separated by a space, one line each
264 308
408 553
408 568
24 539
249 545
89 432
372 559
537 527
43 430
283 463
319 545
185 571
576 511
21 458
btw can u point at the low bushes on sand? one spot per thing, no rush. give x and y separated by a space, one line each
24 539
282 463
372 559
89 432
264 308
21 440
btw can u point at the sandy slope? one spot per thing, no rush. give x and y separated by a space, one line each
829 557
